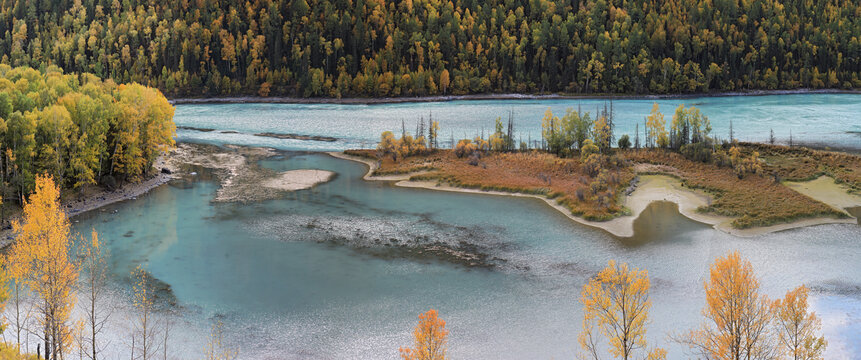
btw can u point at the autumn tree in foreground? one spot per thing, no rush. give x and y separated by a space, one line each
216 349
431 339
616 305
39 258
797 329
738 317
95 278
144 337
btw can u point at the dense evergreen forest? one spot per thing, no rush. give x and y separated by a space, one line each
77 128
334 48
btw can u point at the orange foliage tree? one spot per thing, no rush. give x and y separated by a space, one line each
797 329
431 339
738 318
616 301
40 259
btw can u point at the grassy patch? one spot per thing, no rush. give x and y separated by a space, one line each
754 200
802 164
537 173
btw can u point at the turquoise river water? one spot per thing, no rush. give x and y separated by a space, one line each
340 271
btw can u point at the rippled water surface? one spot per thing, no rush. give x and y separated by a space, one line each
822 119
342 270
321 273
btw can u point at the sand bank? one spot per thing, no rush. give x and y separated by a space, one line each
826 190
294 180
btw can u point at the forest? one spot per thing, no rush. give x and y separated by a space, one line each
371 48
77 128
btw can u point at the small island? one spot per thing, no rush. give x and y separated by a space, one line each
580 169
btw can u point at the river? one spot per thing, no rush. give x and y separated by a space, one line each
342 270
818 119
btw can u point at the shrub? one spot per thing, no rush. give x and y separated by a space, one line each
593 164
699 151
473 159
588 149
464 147
624 142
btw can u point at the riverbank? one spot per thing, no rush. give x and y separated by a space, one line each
242 180
651 187
99 197
445 98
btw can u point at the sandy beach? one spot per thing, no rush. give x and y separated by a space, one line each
651 188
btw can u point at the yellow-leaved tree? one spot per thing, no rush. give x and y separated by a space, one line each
431 339
96 313
616 304
797 328
216 349
144 129
656 128
738 318
602 133
144 335
40 259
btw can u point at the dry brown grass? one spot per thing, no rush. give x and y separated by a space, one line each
754 200
800 164
531 173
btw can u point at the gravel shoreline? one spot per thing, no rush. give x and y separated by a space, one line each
102 198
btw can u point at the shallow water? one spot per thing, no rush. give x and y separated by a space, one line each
321 273
822 119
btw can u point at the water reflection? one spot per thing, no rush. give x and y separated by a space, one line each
660 221
855 212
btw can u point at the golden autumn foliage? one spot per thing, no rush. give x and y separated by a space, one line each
798 329
145 345
602 133
656 128
78 128
738 317
144 129
616 306
95 268
406 146
744 164
216 349
40 259
465 147
4 293
430 339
